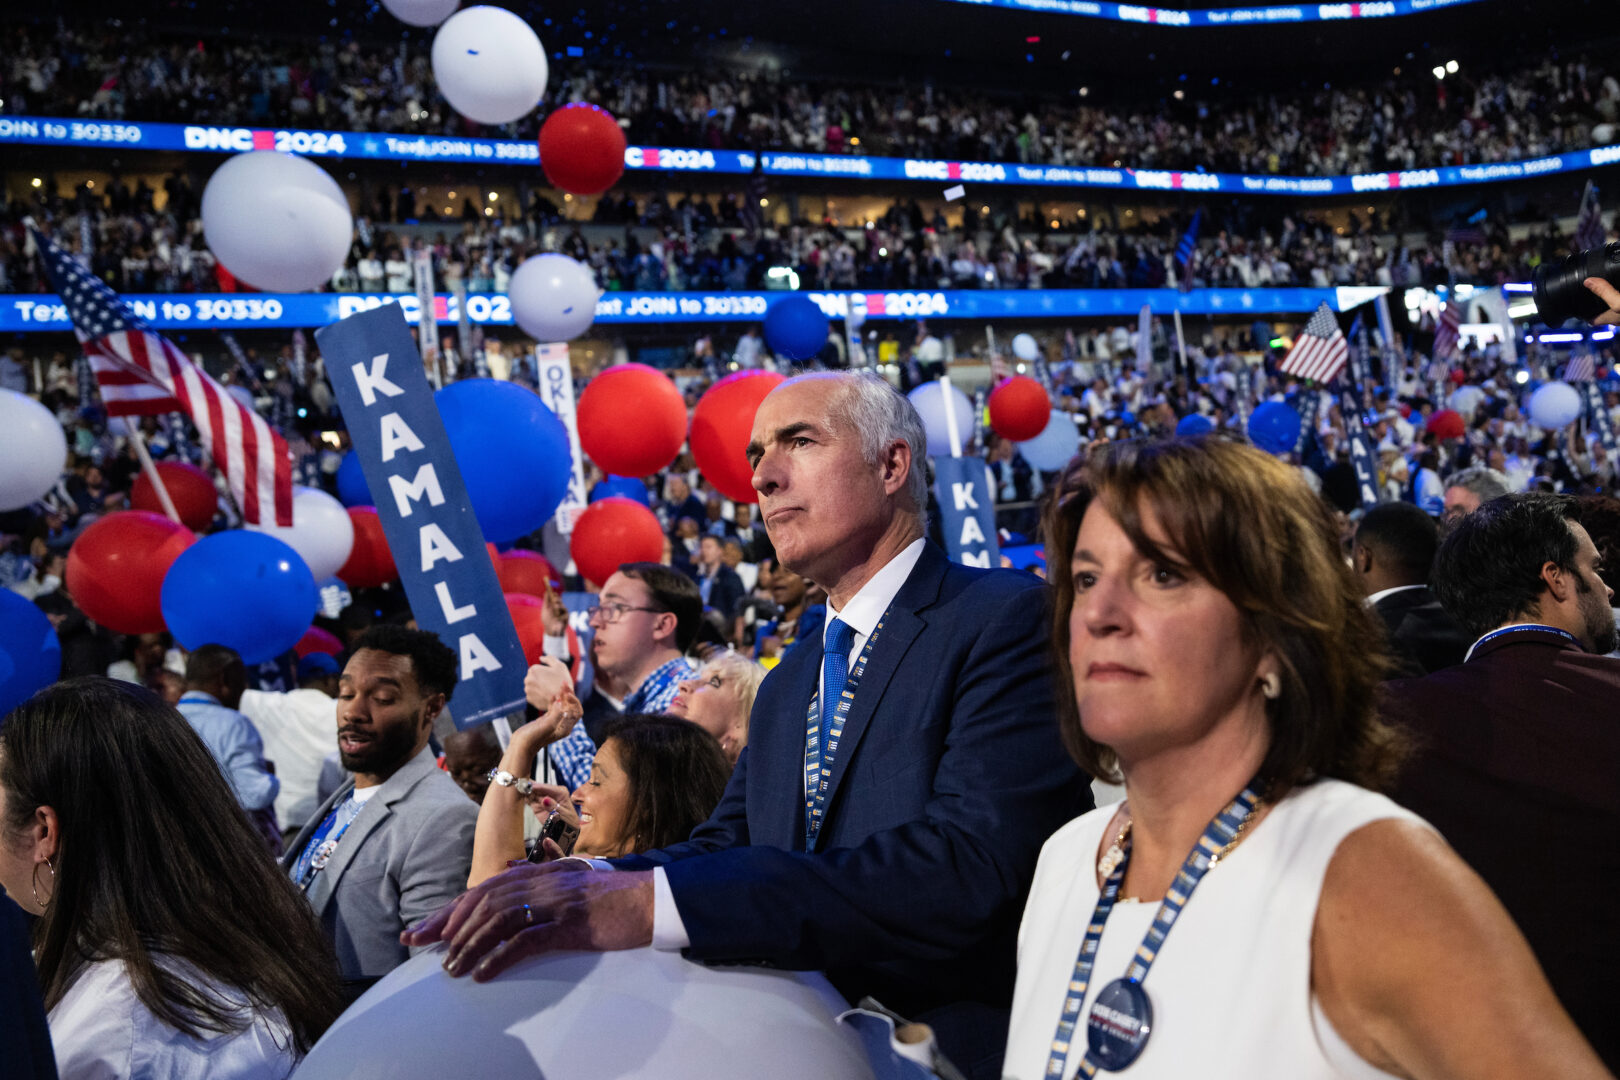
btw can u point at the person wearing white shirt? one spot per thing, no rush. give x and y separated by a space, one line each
299 729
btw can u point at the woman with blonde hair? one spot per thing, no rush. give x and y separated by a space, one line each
719 698
1252 909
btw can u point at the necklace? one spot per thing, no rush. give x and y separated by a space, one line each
1116 851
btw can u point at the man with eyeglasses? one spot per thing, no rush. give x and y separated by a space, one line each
645 620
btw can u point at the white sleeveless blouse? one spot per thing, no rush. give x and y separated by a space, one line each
1231 988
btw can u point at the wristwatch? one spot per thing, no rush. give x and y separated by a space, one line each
506 779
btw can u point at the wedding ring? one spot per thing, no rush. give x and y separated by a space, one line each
528 915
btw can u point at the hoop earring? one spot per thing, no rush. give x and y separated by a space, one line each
33 883
1271 685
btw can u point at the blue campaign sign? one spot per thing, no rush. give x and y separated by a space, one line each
25 312
399 438
124 135
967 510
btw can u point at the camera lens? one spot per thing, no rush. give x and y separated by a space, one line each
1560 294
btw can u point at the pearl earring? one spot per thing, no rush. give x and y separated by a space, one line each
1271 685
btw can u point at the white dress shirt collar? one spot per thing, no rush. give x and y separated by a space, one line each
1381 593
867 606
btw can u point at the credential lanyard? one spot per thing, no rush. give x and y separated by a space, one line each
1521 628
818 760
1217 834
322 854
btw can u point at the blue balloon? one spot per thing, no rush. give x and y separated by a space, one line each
351 482
627 487
512 451
796 328
1054 447
30 654
243 589
1194 424
1274 427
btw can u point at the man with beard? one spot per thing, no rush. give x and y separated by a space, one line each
1517 747
395 843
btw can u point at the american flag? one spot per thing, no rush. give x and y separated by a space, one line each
1445 332
1579 369
1589 231
1320 352
140 374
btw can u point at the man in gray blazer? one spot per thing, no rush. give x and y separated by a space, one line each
395 844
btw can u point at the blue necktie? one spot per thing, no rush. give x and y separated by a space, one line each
835 673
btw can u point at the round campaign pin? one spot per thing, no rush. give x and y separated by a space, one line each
1119 1024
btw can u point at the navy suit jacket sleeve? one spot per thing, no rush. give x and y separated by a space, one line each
25 1040
934 886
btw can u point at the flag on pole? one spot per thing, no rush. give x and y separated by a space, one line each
1320 352
1579 369
1189 241
141 373
1446 331
1589 231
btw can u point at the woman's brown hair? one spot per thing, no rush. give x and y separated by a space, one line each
1246 523
158 860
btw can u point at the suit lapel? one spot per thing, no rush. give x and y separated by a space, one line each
900 630
784 771
373 814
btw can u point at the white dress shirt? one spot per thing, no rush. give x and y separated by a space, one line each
861 615
1372 600
299 729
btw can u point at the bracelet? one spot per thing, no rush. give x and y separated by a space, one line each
505 779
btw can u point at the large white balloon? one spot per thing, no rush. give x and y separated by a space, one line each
489 65
1056 446
1555 406
930 405
1025 348
277 221
322 531
421 12
553 297
33 450
665 1017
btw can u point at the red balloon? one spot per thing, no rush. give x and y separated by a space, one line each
612 532
370 562
582 149
1447 424
632 420
526 572
189 488
1019 408
528 617
721 424
115 569
317 640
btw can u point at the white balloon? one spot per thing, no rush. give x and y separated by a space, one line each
553 297
1056 446
421 12
930 405
33 450
1555 406
322 531
670 1019
1024 347
277 221
489 65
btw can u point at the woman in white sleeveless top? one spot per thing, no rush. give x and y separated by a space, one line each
1224 664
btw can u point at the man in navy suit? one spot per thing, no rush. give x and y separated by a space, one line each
933 778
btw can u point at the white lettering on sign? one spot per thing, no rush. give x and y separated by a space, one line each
426 483
476 657
397 435
447 606
374 382
436 547
962 495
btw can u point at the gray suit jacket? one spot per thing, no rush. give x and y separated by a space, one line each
406 855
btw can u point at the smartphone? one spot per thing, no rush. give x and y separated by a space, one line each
558 829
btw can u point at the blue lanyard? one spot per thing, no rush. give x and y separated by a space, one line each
1521 628
316 855
1204 855
818 760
